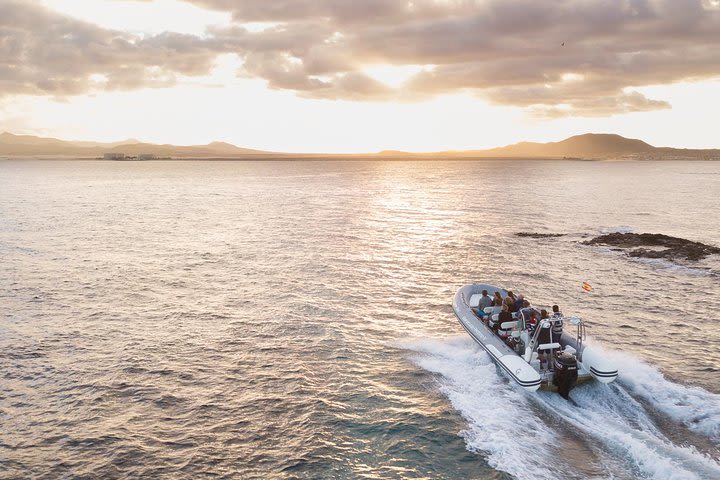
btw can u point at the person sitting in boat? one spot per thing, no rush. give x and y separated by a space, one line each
557 326
531 321
485 301
519 302
545 336
503 316
511 295
497 300
510 303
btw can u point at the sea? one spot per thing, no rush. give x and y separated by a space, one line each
293 319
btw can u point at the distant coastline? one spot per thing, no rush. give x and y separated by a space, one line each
587 147
349 158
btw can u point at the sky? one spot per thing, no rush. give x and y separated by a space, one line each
361 75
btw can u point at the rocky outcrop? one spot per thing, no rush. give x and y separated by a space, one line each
655 245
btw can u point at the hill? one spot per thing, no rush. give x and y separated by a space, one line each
28 145
587 146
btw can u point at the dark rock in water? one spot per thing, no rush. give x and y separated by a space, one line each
670 247
539 235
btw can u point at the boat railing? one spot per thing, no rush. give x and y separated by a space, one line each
580 334
551 321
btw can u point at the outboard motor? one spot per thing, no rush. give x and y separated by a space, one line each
565 373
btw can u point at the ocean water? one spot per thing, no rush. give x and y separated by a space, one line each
292 319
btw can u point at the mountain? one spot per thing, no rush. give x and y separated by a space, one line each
30 141
587 146
215 149
28 145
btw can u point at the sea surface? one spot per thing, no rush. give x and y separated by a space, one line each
292 319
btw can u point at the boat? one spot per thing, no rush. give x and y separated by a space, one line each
516 346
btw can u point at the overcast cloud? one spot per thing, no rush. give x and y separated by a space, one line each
508 52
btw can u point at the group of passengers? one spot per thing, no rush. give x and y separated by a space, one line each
550 327
512 302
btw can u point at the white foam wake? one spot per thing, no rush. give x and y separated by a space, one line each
500 419
695 407
610 416
519 432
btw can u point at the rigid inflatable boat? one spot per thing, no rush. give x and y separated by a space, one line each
515 345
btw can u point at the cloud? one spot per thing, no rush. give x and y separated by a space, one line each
560 57
597 106
46 53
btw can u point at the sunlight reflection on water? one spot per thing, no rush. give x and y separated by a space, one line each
184 319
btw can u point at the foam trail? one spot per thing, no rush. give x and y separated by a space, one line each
696 408
500 419
619 423
503 423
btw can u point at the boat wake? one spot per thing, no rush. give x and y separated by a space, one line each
499 421
606 432
696 408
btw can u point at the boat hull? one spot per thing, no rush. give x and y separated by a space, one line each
591 362
510 362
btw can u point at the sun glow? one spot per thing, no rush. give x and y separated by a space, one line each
293 81
572 77
392 75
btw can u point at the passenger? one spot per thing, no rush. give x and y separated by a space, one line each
531 322
544 337
497 300
518 303
485 301
511 295
510 303
526 304
557 327
504 316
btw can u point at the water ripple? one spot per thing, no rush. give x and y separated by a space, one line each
251 319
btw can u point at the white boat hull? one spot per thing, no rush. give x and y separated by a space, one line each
591 364
510 362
